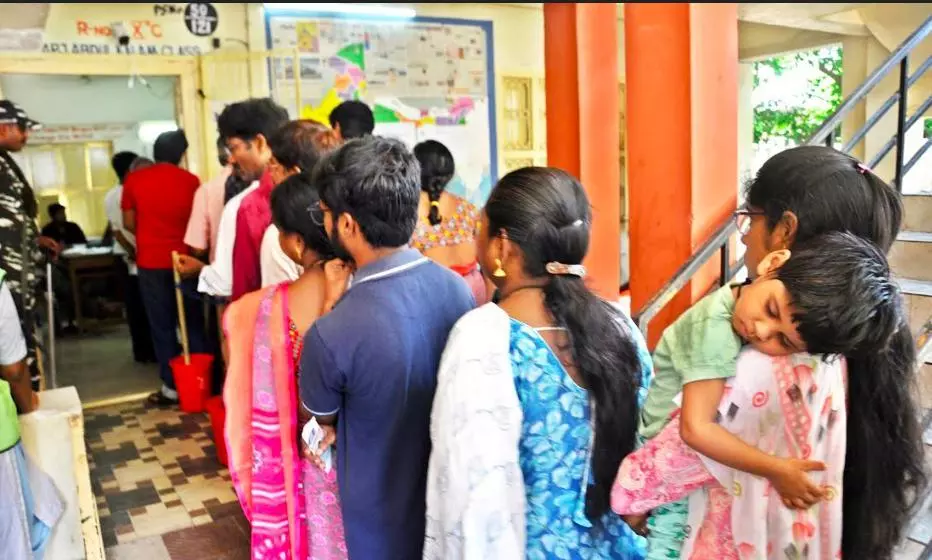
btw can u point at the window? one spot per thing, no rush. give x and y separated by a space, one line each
518 113
77 175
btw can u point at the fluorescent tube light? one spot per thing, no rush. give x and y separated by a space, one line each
337 8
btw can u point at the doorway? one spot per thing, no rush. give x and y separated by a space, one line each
92 107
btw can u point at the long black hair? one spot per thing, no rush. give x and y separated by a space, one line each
831 191
845 302
546 213
293 201
437 168
828 191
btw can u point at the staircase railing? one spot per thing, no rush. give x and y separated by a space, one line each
719 241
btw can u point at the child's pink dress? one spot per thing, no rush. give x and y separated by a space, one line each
791 406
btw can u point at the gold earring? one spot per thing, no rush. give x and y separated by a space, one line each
499 272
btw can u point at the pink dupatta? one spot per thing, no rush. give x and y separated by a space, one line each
267 470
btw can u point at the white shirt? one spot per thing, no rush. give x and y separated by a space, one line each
275 265
12 343
216 279
115 216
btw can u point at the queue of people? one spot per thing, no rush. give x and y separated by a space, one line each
379 406
539 426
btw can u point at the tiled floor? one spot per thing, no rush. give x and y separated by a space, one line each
161 493
100 365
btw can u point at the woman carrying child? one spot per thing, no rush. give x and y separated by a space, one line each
824 294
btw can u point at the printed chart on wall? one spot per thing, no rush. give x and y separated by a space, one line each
425 79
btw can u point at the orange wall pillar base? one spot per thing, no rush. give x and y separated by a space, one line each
681 67
581 58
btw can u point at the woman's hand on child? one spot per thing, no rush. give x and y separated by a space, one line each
795 487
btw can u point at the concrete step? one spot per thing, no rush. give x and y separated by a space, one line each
918 212
925 387
911 255
917 295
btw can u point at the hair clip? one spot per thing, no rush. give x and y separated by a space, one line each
578 223
560 269
435 204
862 169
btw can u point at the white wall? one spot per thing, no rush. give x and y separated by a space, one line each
73 100
92 100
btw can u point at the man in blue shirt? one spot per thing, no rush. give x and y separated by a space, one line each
369 367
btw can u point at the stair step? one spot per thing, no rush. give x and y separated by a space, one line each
916 287
917 297
918 212
915 236
925 387
911 255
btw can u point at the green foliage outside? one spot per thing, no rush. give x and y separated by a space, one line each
796 115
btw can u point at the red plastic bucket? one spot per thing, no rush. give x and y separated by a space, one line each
192 381
217 418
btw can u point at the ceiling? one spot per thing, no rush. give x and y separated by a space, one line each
843 19
837 18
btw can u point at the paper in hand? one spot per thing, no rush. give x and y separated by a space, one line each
313 434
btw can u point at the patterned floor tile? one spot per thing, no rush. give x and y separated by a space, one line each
154 472
199 493
148 548
137 471
159 519
223 539
124 501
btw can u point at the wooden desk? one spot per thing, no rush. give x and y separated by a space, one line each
85 263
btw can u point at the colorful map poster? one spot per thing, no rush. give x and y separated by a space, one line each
425 79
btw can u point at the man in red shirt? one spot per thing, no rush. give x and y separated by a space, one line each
156 205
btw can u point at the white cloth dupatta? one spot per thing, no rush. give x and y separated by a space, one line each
476 505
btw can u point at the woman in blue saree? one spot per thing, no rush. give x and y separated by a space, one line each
538 394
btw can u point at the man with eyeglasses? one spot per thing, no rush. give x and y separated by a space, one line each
21 245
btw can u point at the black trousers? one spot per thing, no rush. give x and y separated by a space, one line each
214 345
139 332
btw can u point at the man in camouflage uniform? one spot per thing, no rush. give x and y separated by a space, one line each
21 254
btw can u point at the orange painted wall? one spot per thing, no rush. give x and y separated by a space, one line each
581 46
681 74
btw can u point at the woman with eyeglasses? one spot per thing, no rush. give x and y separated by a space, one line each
873 474
293 506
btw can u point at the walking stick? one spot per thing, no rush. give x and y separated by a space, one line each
50 300
179 300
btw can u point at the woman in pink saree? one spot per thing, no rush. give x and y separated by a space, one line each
292 505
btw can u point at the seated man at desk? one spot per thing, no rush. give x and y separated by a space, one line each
60 229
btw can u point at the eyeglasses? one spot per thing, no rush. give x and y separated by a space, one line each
316 212
743 219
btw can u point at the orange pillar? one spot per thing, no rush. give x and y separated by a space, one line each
581 57
681 71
